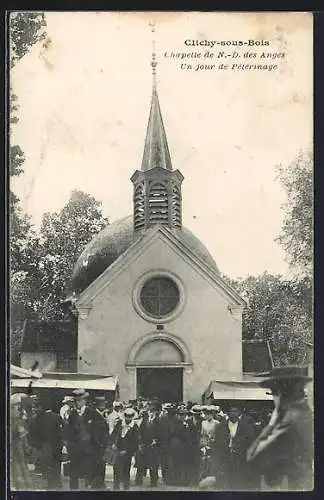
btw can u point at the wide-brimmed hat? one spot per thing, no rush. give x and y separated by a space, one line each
67 399
35 398
130 412
283 373
80 394
209 408
214 408
195 409
117 404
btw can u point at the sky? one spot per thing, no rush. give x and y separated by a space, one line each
84 104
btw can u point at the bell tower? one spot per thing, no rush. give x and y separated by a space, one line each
157 187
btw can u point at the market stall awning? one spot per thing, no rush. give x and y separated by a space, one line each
239 390
18 372
70 381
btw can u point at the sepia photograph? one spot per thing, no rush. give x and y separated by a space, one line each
160 171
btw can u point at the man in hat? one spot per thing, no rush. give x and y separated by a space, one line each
46 436
284 450
124 440
87 437
192 452
100 404
19 472
167 415
229 452
176 434
149 445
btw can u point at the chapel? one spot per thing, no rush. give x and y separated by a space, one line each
152 307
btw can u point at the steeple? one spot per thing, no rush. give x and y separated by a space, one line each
157 188
156 149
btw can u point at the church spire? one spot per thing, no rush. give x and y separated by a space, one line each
156 149
157 187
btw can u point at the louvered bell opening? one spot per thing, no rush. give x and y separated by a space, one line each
139 208
158 204
176 207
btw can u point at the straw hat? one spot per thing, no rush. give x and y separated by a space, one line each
80 394
130 412
67 399
195 409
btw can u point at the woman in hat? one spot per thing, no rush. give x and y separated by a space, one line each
20 476
115 416
283 453
68 404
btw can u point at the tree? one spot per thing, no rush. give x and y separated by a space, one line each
39 282
26 29
63 236
296 236
297 231
277 310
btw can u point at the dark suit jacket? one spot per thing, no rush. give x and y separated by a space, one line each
148 454
245 435
129 442
193 434
149 431
45 434
286 449
95 426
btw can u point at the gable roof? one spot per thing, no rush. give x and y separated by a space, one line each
171 238
112 242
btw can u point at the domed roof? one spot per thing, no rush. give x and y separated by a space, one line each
112 242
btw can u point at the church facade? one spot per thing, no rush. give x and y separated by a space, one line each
152 306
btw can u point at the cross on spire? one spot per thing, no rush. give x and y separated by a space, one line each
154 61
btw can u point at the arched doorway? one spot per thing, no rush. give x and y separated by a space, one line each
159 361
166 384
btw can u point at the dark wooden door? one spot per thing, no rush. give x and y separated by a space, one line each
163 383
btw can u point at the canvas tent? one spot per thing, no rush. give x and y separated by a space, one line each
53 386
237 388
70 381
16 372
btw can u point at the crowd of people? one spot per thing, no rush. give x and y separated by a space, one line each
183 445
